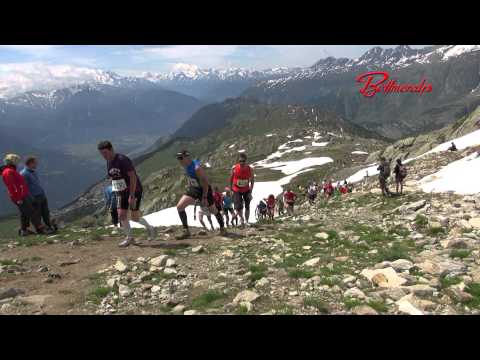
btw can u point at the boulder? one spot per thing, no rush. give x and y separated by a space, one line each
6 293
322 235
355 293
406 307
124 290
246 295
364 310
312 262
387 277
120 266
159 260
198 249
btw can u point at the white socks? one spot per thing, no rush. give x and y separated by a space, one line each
126 228
151 231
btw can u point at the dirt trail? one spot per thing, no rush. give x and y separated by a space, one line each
69 291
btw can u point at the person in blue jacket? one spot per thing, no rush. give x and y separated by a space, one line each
111 204
40 201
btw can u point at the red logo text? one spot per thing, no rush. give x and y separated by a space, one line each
374 82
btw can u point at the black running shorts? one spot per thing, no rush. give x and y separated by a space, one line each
197 193
122 200
239 198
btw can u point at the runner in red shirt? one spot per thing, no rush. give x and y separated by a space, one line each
289 199
241 182
218 199
270 206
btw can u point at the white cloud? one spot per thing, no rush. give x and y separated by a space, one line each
201 55
18 77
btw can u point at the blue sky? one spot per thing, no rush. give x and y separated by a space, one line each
33 67
135 59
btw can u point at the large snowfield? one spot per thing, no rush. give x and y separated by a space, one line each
461 177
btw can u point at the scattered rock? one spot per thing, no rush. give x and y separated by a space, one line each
406 307
401 265
170 271
120 266
159 260
322 235
190 312
246 295
124 290
262 282
36 300
179 309
312 262
384 277
364 310
69 262
6 293
198 249
355 293
228 253
170 263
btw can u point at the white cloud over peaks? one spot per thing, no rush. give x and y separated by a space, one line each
202 55
18 77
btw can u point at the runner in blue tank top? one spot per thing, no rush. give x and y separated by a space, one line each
198 190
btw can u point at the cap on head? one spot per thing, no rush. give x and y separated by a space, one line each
182 154
11 159
242 157
102 145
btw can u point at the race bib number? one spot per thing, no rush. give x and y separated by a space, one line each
193 182
242 182
119 185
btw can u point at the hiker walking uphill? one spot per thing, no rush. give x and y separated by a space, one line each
241 182
400 172
203 211
19 194
128 191
228 207
280 204
198 189
312 193
40 201
289 198
111 204
384 169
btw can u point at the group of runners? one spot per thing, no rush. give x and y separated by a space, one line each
124 196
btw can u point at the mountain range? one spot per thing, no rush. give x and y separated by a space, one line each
149 112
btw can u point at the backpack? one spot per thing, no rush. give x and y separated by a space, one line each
402 171
386 169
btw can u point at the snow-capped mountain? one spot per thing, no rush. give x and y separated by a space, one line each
213 84
376 58
187 72
453 71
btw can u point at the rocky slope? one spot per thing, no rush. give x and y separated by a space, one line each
356 254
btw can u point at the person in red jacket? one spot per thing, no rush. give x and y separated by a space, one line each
18 191
241 182
289 199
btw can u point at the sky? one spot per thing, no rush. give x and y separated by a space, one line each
26 66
